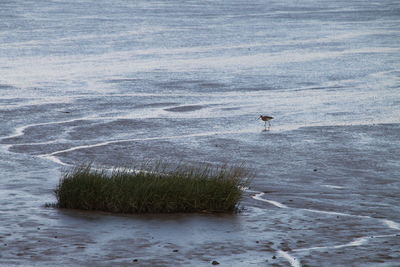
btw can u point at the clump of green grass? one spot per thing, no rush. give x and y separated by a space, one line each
155 190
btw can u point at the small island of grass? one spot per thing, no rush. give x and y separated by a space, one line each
182 189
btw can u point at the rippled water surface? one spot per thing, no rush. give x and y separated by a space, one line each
113 82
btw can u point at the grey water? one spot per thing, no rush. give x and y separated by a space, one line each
116 82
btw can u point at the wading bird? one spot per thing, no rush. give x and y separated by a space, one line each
266 119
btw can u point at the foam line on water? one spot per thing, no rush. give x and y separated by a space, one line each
55 160
356 242
385 236
19 131
37 143
147 139
294 262
336 213
333 186
391 224
272 202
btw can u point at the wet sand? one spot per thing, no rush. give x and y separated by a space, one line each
321 194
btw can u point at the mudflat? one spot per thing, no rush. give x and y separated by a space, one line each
114 83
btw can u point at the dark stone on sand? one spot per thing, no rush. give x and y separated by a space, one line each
215 263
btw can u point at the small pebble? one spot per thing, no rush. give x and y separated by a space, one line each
215 263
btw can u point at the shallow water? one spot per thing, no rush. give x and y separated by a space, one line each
112 82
